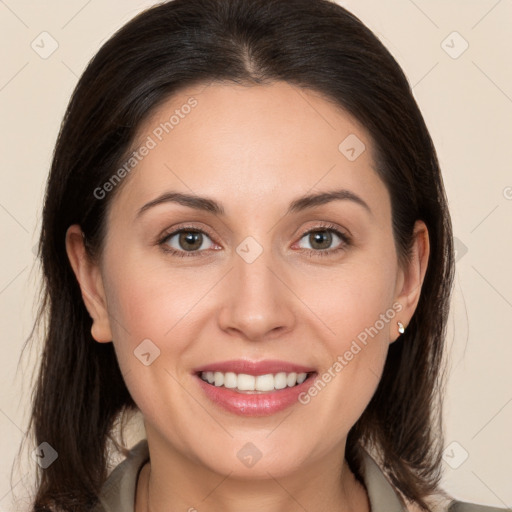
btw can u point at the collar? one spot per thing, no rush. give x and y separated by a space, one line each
382 496
118 492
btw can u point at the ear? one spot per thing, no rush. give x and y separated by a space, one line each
91 283
410 279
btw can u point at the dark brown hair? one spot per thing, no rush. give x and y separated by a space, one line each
312 44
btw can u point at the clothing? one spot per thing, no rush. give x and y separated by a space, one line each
118 492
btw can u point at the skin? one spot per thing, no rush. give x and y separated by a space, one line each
248 147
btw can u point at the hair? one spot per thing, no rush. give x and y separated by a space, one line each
315 45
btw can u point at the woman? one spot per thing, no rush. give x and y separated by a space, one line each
205 144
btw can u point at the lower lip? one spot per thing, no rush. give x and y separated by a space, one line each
255 404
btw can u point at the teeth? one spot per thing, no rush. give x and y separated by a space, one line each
244 382
218 378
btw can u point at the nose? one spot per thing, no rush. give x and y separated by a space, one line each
259 303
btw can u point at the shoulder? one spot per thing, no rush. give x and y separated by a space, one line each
462 506
384 496
442 502
118 492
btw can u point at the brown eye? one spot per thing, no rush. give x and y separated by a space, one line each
185 241
190 241
321 239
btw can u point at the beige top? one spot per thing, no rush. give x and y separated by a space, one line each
118 492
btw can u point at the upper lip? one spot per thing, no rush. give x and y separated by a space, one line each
254 367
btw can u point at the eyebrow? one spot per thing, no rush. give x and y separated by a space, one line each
212 206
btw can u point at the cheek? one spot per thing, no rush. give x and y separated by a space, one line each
157 315
149 322
150 300
358 314
353 303
146 307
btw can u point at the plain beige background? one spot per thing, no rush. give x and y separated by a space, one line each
465 95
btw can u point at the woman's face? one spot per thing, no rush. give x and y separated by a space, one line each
245 282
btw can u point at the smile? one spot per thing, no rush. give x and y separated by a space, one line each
245 383
254 388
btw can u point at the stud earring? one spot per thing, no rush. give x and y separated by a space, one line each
401 328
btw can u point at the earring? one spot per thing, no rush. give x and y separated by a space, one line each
401 328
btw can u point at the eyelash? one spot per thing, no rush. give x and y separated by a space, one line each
346 241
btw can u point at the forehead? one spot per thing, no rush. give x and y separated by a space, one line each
248 144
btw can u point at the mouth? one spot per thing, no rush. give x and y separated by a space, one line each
251 388
254 384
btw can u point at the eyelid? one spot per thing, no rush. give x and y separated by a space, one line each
328 226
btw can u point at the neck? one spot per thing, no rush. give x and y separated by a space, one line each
174 485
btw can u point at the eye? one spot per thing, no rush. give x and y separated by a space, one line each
185 242
191 241
321 238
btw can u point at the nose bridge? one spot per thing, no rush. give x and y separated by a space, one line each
257 302
253 263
